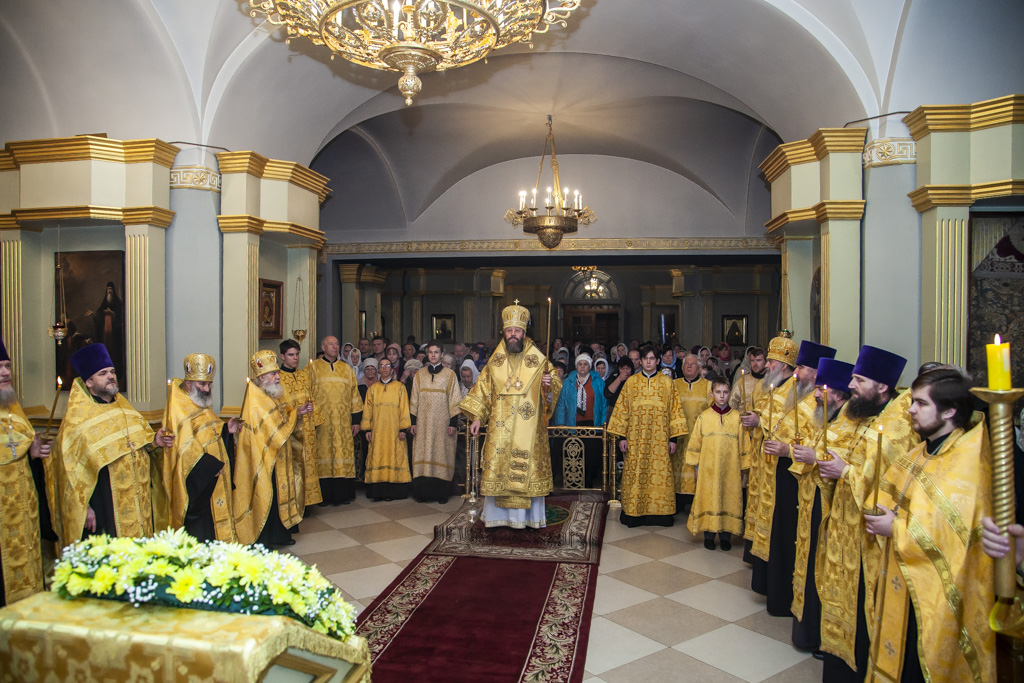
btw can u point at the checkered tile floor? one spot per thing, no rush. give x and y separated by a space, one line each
666 609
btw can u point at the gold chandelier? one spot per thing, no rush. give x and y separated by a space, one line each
415 36
560 213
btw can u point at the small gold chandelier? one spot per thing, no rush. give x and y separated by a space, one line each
560 214
415 36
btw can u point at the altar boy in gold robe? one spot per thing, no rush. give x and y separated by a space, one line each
386 423
713 450
648 417
21 567
929 614
101 475
196 469
516 393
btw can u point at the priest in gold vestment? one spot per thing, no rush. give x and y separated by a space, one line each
336 395
21 565
515 393
265 499
848 555
298 388
434 411
694 397
832 382
931 602
196 468
648 416
104 461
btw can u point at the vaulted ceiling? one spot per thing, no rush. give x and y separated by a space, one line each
666 102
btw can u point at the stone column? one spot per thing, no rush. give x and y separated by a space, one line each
348 275
26 312
240 286
945 271
797 274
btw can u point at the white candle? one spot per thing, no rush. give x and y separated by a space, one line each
576 199
522 200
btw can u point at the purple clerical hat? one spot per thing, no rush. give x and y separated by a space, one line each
89 360
882 366
810 353
834 373
3 352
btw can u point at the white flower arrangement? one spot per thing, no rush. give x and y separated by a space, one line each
173 568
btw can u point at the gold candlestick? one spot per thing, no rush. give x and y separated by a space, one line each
53 409
1000 426
878 474
547 344
167 407
771 407
743 391
824 431
797 438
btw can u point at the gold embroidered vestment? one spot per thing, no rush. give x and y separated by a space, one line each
298 389
336 393
385 414
434 401
19 508
694 398
714 449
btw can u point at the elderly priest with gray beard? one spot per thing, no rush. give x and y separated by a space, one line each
196 468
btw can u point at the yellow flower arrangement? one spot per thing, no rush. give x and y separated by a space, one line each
173 568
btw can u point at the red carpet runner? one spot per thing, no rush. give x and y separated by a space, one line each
486 618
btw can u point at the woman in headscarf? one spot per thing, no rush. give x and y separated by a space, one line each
393 353
355 359
346 350
620 350
601 368
467 376
582 403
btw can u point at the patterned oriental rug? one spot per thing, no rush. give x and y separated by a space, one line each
471 613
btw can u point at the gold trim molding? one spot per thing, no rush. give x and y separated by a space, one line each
92 148
7 161
785 156
930 196
132 215
314 237
241 223
825 141
195 178
828 210
531 246
890 152
952 118
273 169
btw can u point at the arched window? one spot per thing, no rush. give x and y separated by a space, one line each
591 285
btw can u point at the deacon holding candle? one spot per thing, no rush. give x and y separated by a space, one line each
19 506
932 502
848 555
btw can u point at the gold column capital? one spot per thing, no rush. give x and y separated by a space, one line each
827 141
372 275
930 196
786 156
240 223
242 162
90 148
953 118
147 215
298 175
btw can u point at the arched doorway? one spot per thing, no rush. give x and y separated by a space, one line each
590 308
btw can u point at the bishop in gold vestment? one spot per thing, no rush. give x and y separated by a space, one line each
21 566
847 555
516 394
298 391
647 416
929 613
336 395
196 468
265 500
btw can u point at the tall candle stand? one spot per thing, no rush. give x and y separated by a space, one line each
1000 429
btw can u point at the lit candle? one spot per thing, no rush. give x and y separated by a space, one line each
565 199
522 200
533 202
53 408
771 409
576 199
743 390
547 200
998 365
167 408
796 411
824 429
878 472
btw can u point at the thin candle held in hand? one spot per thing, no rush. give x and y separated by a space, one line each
53 408
878 473
824 428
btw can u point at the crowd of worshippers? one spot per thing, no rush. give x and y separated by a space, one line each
864 508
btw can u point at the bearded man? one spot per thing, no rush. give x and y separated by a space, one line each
850 556
21 565
516 393
101 471
336 393
265 500
831 393
694 397
197 469
775 534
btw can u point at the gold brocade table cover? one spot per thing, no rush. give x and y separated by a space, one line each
47 638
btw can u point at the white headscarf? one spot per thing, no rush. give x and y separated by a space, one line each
607 370
366 363
468 363
344 355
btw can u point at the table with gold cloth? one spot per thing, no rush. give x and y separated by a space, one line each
48 638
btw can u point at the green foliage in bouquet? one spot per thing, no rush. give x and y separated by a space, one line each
173 568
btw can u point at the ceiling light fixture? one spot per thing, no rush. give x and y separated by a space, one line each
415 36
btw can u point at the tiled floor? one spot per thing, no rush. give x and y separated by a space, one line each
665 609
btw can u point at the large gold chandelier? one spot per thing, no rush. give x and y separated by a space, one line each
415 36
559 214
